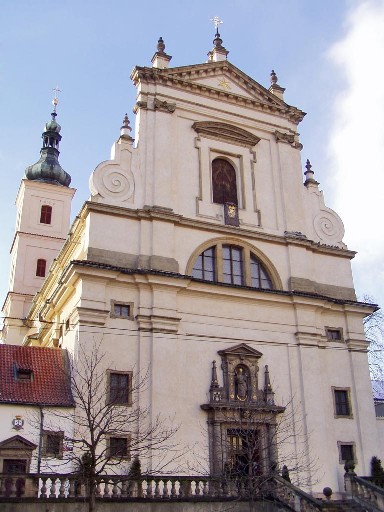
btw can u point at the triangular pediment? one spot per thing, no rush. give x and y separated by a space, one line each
17 443
222 80
241 350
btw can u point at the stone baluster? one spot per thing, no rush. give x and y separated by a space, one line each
205 488
124 488
115 489
106 488
165 489
157 488
173 488
71 487
98 488
62 487
52 491
149 488
43 493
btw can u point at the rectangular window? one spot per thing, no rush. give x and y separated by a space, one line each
120 388
41 268
334 334
121 310
14 466
46 214
347 452
53 444
118 447
342 402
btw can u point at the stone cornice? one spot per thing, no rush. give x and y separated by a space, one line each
34 235
185 78
169 216
227 132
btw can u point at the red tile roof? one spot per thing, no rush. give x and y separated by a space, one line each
50 383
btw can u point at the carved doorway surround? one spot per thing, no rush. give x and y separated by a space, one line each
242 417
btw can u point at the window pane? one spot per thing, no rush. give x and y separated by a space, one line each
342 404
347 452
119 388
236 254
237 268
227 267
198 274
118 446
53 444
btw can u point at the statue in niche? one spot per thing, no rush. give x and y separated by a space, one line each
241 384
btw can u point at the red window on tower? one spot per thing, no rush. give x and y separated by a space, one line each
41 267
46 214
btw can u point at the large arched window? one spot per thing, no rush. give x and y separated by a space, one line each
46 214
232 264
224 188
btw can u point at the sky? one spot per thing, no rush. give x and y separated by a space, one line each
328 55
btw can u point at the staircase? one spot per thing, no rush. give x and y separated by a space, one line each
346 505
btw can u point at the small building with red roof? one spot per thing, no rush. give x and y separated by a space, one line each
35 384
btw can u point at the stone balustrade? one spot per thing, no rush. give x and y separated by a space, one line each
364 491
293 496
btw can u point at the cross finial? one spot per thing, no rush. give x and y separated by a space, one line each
55 100
216 21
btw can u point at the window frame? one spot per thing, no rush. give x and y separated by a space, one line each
329 330
127 456
115 303
347 443
46 211
128 403
336 403
48 454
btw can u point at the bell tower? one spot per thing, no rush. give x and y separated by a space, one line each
43 217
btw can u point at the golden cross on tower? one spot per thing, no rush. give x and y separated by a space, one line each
216 21
55 100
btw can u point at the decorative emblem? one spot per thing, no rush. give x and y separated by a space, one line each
224 84
17 423
231 210
231 214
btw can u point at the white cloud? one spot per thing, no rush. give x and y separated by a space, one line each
356 142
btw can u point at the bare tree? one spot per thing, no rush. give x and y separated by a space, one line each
110 426
374 332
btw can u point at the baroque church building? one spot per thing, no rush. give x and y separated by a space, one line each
206 258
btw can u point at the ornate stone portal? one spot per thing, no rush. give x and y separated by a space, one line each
242 418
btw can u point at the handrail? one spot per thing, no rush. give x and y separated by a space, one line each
295 497
364 491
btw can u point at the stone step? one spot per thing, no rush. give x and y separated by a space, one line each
344 506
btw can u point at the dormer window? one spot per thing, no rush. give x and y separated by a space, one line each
23 374
46 214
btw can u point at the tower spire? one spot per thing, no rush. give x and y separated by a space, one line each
218 51
48 168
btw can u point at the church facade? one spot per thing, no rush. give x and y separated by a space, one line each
208 260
